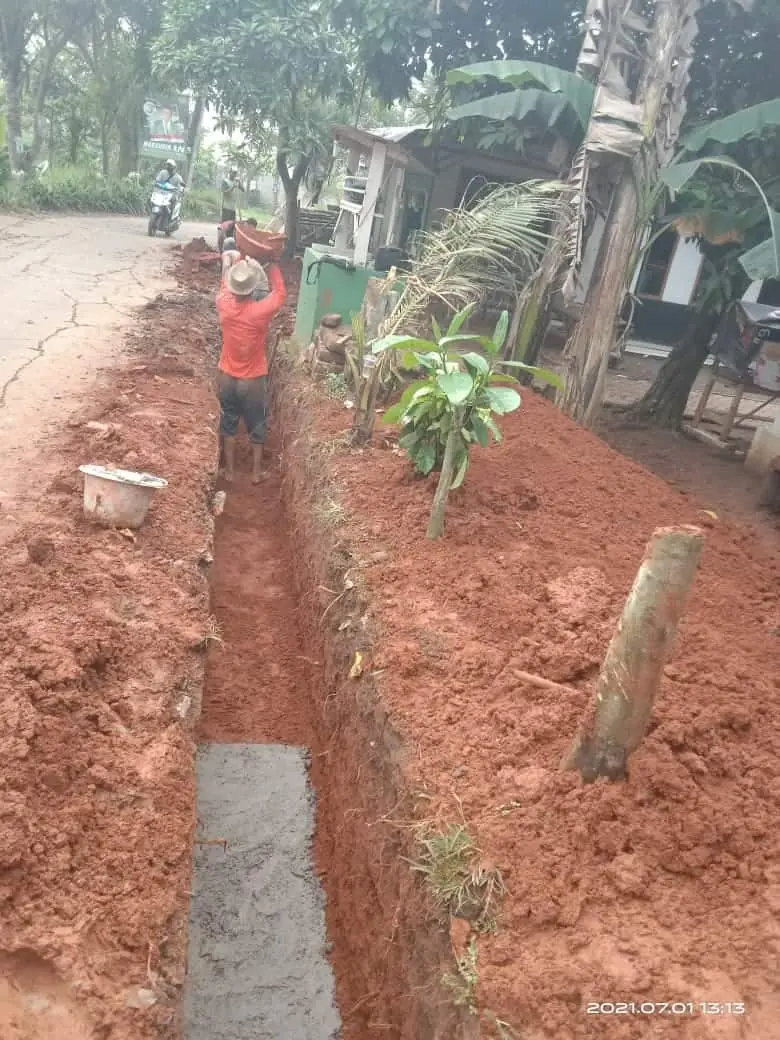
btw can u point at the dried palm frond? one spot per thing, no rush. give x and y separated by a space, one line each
578 181
491 249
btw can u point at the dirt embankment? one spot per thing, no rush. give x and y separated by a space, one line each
399 663
101 670
663 889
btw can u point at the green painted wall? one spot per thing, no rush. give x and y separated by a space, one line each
327 289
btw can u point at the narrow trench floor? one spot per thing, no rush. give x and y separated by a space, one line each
257 965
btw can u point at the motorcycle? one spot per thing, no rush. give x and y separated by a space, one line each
165 212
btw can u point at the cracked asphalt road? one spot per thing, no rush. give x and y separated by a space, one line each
69 287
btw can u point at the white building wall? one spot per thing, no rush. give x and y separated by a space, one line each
683 273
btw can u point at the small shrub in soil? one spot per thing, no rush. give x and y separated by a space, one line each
467 384
458 883
462 983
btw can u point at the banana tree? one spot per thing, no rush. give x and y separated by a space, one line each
728 208
611 133
631 134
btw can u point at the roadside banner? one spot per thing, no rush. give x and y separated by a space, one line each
166 125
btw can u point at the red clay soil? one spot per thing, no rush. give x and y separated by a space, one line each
258 675
101 671
257 672
714 478
664 888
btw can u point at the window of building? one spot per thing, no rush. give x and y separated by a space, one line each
656 266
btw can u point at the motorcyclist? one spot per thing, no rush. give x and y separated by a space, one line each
169 176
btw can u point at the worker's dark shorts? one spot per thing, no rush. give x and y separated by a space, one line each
242 399
227 215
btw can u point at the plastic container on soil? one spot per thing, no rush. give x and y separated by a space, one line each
118 497
263 246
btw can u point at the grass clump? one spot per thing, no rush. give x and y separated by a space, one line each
336 386
458 883
462 983
212 634
330 513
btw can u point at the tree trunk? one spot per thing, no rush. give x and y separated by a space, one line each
75 132
631 674
47 61
291 182
587 353
290 219
129 145
105 154
660 100
13 100
193 139
665 400
446 477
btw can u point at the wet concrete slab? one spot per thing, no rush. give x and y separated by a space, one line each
257 968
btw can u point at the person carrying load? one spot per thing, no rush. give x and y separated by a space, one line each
243 362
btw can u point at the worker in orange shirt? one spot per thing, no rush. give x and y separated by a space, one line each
243 364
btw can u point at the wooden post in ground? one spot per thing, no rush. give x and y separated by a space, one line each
709 386
631 674
728 423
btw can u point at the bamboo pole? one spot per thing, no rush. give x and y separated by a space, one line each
631 674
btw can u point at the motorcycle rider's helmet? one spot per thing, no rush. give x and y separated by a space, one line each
170 165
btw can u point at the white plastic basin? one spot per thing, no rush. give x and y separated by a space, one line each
118 497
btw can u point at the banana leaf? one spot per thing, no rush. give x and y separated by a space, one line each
578 91
551 110
748 122
763 261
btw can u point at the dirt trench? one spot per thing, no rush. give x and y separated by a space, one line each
290 616
122 652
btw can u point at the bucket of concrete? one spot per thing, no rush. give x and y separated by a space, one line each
118 497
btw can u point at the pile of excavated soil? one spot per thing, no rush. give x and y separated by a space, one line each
663 888
101 669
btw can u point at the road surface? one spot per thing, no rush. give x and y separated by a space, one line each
70 286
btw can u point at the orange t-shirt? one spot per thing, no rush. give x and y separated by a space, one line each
245 325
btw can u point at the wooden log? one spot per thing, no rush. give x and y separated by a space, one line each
631 674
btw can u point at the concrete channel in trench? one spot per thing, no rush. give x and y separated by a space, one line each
257 964
257 960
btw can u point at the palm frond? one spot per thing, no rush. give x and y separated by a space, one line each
492 248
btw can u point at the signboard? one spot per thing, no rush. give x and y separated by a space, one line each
166 126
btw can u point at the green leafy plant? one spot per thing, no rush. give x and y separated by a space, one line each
463 387
443 415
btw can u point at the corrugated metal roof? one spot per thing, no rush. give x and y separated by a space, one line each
395 133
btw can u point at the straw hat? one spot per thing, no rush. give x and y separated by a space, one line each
244 278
